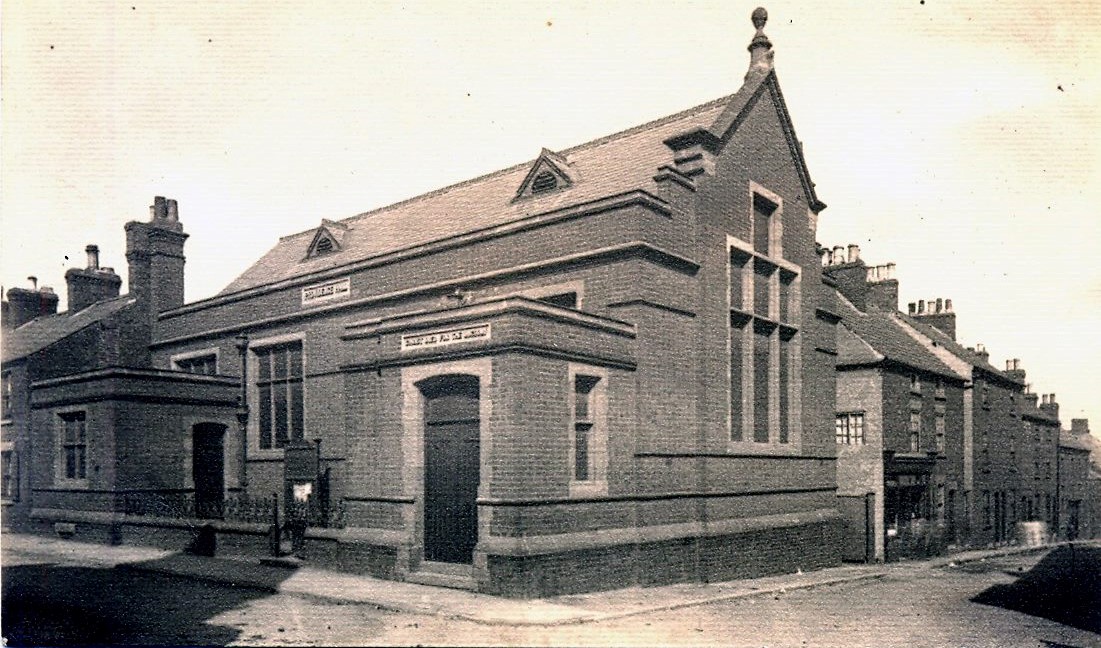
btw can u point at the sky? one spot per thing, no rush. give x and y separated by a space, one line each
959 140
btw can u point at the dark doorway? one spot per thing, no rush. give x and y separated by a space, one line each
1073 508
451 468
208 468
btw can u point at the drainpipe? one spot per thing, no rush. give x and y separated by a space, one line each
242 409
1058 483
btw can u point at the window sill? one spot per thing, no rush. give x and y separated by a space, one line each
764 449
588 488
266 454
74 484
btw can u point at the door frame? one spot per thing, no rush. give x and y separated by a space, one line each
413 439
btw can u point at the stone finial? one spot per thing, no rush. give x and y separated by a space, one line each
759 18
760 49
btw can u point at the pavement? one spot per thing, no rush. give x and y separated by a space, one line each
339 587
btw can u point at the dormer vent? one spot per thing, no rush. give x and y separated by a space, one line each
544 181
550 172
328 239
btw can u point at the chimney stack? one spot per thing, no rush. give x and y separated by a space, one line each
91 284
155 254
850 274
1049 406
1079 426
24 305
939 315
882 287
1014 371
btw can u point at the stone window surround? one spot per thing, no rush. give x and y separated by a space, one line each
773 446
175 358
8 395
576 286
597 484
254 449
60 480
7 447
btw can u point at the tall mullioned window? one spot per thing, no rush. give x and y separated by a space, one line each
939 423
9 476
74 446
6 395
280 414
915 431
588 441
583 411
764 335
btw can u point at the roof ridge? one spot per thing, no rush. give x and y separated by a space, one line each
600 141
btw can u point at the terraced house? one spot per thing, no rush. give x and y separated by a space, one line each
611 364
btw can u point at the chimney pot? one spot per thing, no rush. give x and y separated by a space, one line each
890 271
160 208
173 210
948 305
854 253
913 308
93 256
921 307
1008 365
838 255
940 305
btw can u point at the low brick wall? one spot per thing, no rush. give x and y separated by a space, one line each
749 554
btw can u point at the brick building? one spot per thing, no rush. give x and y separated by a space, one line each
899 425
88 422
611 365
1010 441
1077 507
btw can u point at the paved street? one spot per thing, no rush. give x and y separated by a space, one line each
59 601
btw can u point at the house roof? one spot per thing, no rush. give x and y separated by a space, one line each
612 165
1067 440
955 348
41 332
604 167
885 339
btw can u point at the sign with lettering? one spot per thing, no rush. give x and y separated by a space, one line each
444 338
331 291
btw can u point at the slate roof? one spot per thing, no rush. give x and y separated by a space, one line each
604 167
953 347
1068 440
886 339
609 166
41 332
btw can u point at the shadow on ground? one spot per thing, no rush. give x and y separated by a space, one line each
49 604
1065 586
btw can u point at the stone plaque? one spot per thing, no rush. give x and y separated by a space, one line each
445 337
329 291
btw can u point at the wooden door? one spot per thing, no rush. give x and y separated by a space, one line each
208 469
451 470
